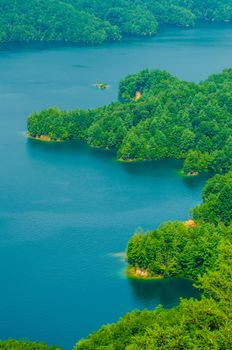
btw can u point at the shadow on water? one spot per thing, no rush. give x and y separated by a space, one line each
167 33
49 150
79 151
193 182
148 293
154 168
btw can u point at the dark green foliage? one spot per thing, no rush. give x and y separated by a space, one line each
90 22
12 344
171 119
51 20
94 22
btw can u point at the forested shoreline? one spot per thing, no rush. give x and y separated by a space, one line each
187 249
95 22
170 119
201 252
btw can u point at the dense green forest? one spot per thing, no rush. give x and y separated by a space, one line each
170 119
202 252
95 21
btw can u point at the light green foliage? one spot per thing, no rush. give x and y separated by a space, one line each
217 283
172 119
12 344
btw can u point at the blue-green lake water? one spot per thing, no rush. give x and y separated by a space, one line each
67 211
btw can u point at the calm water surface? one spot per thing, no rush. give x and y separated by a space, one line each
67 211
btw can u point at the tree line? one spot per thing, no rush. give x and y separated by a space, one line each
95 21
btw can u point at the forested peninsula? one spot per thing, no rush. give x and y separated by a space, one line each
95 22
158 116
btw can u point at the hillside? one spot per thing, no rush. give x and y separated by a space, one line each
95 22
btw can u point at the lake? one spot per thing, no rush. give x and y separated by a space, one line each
67 211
